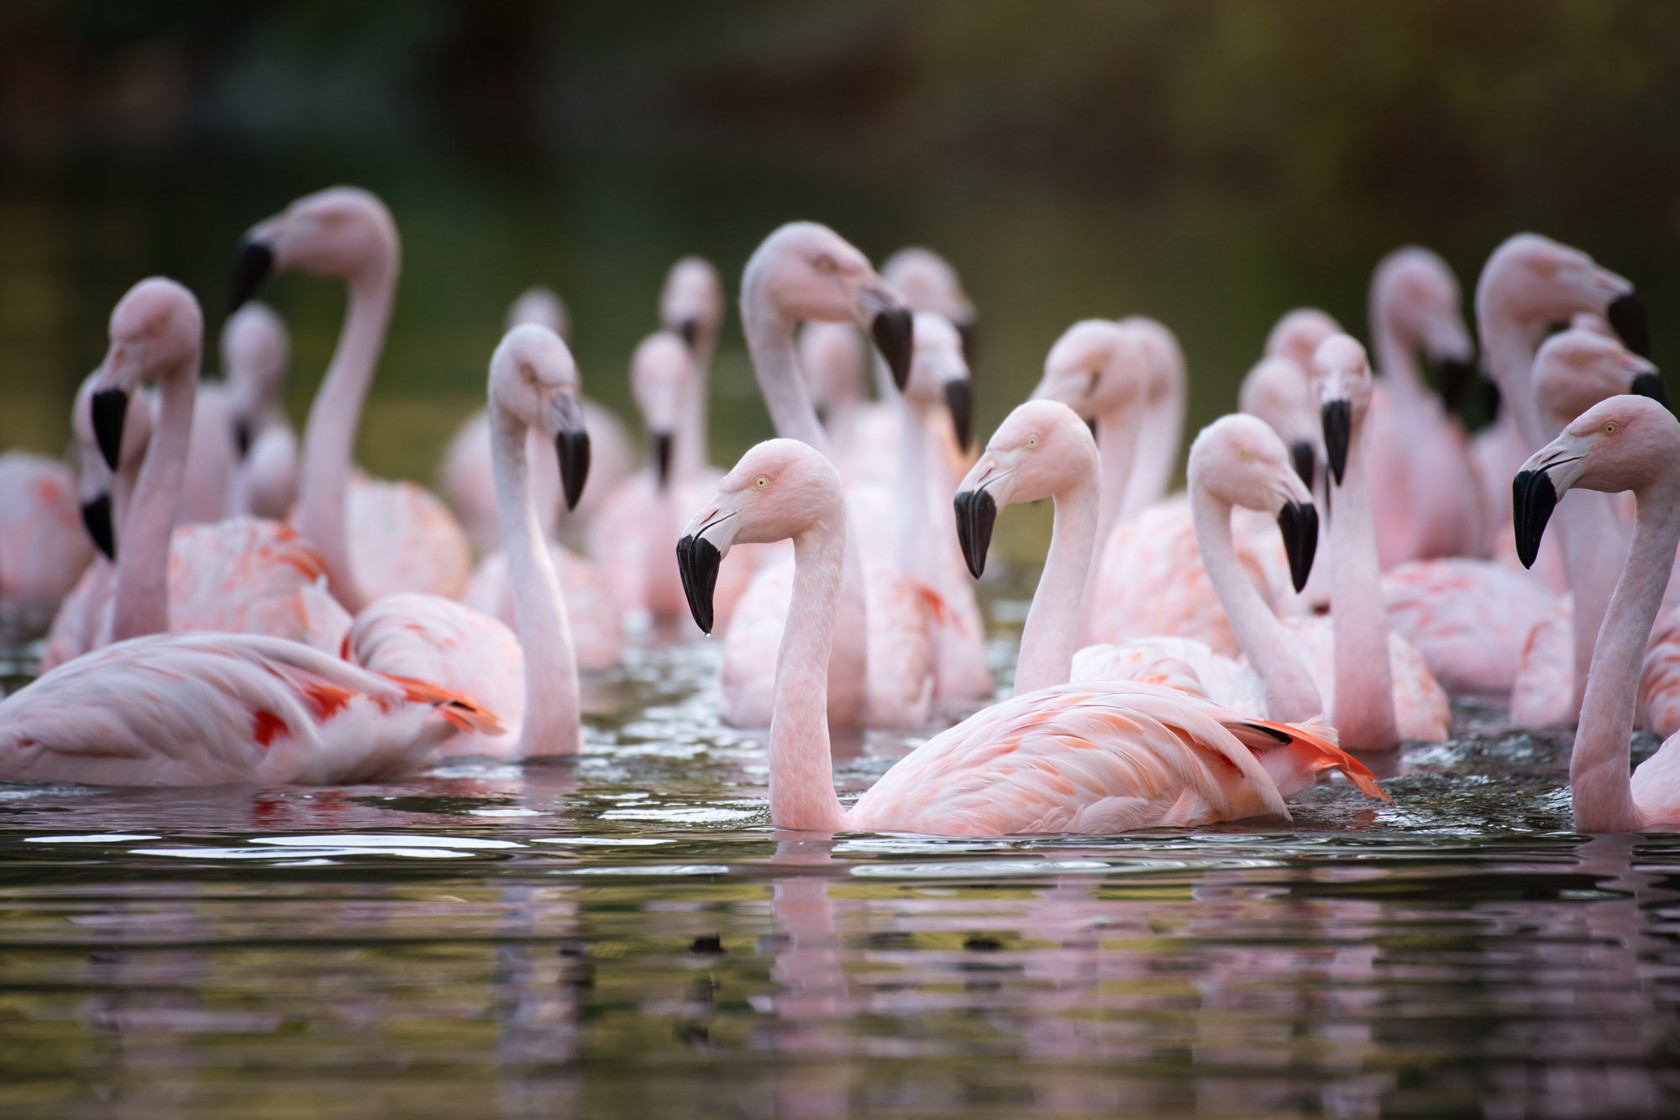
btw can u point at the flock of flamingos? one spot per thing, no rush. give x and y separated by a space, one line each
229 604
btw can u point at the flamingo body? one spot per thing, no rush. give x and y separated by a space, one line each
43 547
597 631
402 538
1470 619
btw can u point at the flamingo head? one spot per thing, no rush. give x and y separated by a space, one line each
781 488
1342 375
342 231
157 331
1621 443
1240 461
1096 366
691 304
929 283
662 382
1575 369
939 374
807 271
1041 450
256 348
543 307
534 380
1418 292
94 477
1279 392
1298 334
1537 280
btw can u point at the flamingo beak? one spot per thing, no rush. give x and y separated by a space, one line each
1298 522
1651 385
1305 458
976 514
1338 430
96 516
1456 375
252 263
969 333
689 331
698 560
1627 314
242 436
662 458
110 409
959 398
894 335
1532 499
563 419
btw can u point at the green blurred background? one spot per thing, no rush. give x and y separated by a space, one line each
1209 162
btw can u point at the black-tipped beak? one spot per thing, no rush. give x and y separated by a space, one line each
1627 314
662 458
110 409
1091 423
894 335
242 437
1338 429
689 331
1455 375
1305 458
976 514
969 332
573 450
96 515
959 398
251 265
1298 522
1532 499
697 562
1651 385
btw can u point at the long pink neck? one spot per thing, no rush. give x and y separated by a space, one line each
1598 767
330 437
141 599
1291 695
1364 704
552 706
1595 547
1396 356
770 344
1117 454
1510 345
1052 629
914 537
801 768
1156 456
691 455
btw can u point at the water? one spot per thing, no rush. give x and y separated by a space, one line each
625 935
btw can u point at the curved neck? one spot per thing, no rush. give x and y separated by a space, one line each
1364 702
141 600
914 522
1119 451
690 456
1156 457
552 706
1291 695
1053 621
1598 767
776 365
1595 547
1510 346
1396 356
801 771
330 437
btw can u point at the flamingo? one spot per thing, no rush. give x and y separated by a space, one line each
1165 398
1070 758
1623 443
240 575
1281 393
377 538
44 548
928 282
692 306
255 351
1424 509
531 681
1063 465
882 669
210 709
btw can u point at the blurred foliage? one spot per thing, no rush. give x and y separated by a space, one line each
1208 161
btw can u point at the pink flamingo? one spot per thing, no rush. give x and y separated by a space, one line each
256 349
1280 392
1424 508
44 548
881 672
531 681
1166 395
239 575
377 538
1623 443
928 282
692 306
1071 758
210 709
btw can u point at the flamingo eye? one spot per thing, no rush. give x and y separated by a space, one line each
1610 427
1032 440
761 482
824 265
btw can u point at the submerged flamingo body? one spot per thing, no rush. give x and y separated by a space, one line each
211 709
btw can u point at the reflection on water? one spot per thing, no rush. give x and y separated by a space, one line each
623 935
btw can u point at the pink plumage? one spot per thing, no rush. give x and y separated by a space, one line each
43 546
